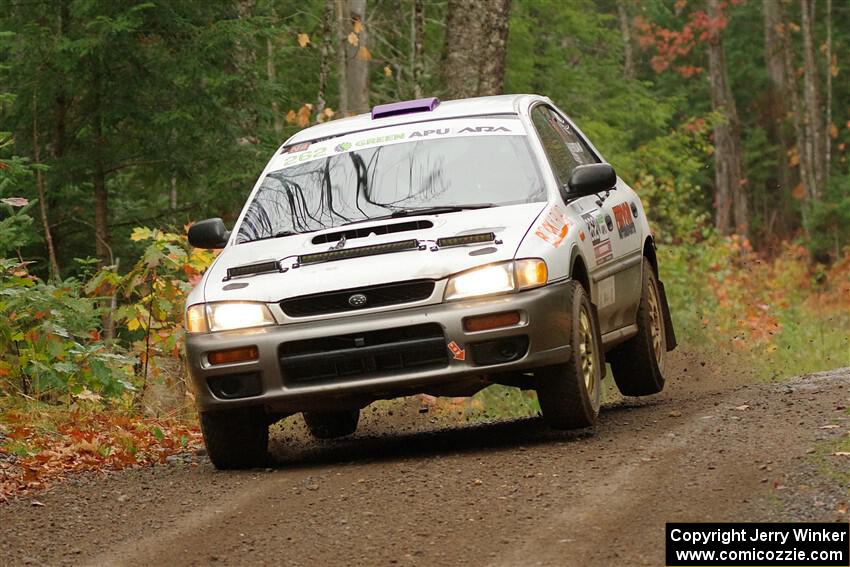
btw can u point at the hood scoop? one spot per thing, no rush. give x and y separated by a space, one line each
349 234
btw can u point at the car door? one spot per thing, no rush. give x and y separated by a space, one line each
607 237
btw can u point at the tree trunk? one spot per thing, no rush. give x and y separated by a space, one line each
357 58
272 77
475 47
53 265
418 65
728 167
464 24
325 56
779 190
493 43
813 117
626 33
829 66
342 30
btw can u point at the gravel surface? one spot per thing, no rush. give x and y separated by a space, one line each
410 489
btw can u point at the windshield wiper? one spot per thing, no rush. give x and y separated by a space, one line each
424 211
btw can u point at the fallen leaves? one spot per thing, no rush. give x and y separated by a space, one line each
32 458
303 40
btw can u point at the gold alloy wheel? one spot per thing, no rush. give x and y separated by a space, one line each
656 324
585 352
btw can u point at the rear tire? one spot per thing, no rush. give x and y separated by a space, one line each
570 393
236 439
332 424
638 364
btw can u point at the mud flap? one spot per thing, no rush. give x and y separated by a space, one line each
669 333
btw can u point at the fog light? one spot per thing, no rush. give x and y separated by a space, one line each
495 321
242 354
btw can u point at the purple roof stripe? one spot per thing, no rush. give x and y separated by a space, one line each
405 107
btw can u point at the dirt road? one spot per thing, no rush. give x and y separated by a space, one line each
406 491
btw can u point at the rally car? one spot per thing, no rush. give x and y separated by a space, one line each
426 247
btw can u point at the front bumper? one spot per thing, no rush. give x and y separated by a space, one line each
544 320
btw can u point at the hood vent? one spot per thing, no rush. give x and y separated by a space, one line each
360 251
332 237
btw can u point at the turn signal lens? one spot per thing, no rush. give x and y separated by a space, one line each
228 356
487 322
531 272
196 319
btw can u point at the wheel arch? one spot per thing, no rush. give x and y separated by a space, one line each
578 270
649 253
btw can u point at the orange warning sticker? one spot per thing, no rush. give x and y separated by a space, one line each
457 352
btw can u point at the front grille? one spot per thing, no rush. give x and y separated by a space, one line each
364 354
376 296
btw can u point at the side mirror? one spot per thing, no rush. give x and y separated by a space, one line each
210 233
591 179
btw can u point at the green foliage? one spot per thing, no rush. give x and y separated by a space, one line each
155 292
50 341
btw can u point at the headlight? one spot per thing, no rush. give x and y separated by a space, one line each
498 278
227 316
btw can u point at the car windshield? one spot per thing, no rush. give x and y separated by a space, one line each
389 179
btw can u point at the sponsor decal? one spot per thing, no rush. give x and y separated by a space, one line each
603 252
607 292
595 226
399 134
457 352
625 222
634 209
555 227
296 148
609 223
479 129
424 133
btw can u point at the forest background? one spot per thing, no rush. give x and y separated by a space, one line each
124 122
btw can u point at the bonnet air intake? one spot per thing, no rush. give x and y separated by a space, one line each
405 107
359 252
251 269
466 239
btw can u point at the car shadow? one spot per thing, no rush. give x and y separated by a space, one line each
441 441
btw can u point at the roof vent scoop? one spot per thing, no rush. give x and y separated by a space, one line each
405 107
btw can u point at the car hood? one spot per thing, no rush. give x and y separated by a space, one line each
509 223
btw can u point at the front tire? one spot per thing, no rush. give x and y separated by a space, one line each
570 393
236 439
638 364
332 424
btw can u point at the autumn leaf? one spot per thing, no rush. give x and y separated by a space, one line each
793 157
353 39
303 39
364 54
303 118
798 192
357 26
388 71
833 131
291 117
